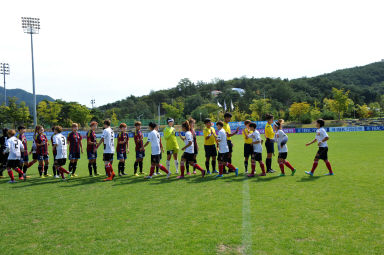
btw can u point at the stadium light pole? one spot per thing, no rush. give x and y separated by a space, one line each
93 102
4 70
32 26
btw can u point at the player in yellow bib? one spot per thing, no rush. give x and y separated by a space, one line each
171 144
248 147
227 129
269 143
209 145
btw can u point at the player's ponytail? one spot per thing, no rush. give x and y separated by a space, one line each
186 125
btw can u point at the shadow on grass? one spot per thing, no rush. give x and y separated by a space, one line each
309 178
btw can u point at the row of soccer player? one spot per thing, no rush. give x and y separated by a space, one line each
17 157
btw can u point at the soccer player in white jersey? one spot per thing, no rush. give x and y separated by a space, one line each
223 157
188 155
257 150
321 139
154 139
60 145
108 138
282 139
14 147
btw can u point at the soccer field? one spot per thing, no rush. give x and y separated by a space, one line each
341 214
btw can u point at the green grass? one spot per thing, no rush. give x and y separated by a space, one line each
342 214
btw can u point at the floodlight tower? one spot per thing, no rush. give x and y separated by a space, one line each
4 70
93 102
32 26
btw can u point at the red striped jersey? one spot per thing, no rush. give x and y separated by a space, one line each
42 149
74 140
138 137
23 139
122 137
91 137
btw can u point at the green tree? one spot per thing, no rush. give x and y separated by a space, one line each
238 115
48 112
79 114
259 108
174 110
114 120
363 111
13 112
341 101
298 110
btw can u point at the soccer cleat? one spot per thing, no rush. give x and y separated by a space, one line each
263 174
158 173
188 173
124 174
194 172
136 174
309 173
208 172
120 174
293 172
69 176
25 176
154 174
42 176
329 174
177 171
281 174
251 175
246 171
169 174
142 173
107 179
271 171
215 172
203 173
47 175
74 175
148 177
12 181
219 176
21 178
56 176
180 177
237 171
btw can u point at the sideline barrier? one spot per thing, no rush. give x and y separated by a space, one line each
29 136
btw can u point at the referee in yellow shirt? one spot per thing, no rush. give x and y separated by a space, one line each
269 143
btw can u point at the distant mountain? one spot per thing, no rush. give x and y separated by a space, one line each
361 75
23 95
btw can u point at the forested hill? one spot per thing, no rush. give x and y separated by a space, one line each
23 95
366 85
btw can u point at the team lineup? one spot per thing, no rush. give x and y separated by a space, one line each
218 147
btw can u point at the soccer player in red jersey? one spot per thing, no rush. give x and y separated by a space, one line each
139 147
24 156
122 148
42 143
75 147
91 146
33 149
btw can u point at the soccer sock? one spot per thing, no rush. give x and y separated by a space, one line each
62 170
221 168
135 166
74 166
230 166
253 166
31 164
268 162
262 166
19 171
10 173
141 166
207 165
108 170
62 175
163 168
187 167
168 164
40 168
281 165
213 165
94 168
182 168
46 169
54 170
119 168
315 163
230 160
25 168
246 166
70 167
20 175
176 165
111 170
195 165
289 165
151 170
90 168
328 164
123 167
